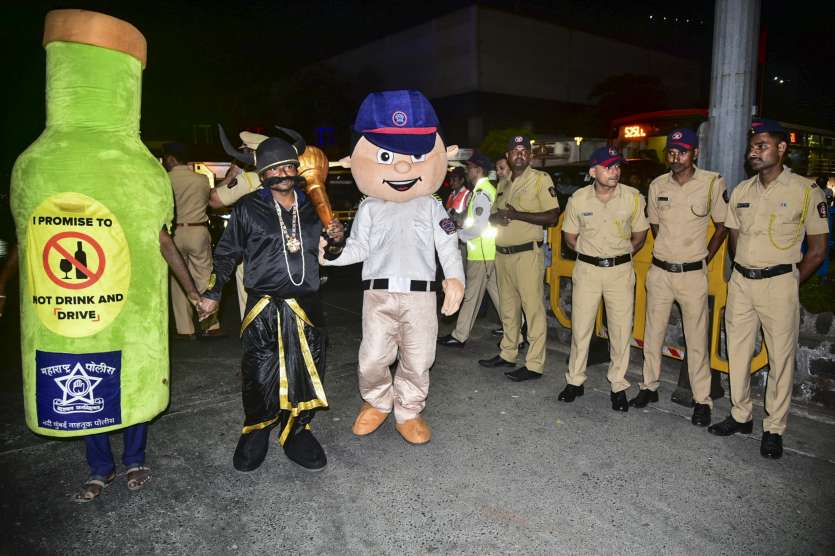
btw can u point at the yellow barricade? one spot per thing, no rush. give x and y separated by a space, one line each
562 267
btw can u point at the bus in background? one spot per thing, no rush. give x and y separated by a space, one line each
811 150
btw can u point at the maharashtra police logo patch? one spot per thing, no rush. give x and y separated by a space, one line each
447 225
676 136
399 118
822 210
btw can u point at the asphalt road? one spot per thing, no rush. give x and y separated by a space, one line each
509 469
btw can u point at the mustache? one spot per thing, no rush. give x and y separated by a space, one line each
297 181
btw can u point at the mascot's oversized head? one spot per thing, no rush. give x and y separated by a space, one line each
398 154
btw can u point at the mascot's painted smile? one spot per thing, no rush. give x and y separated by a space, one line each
402 185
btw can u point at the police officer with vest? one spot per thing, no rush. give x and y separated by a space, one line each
525 204
479 237
768 216
605 224
679 206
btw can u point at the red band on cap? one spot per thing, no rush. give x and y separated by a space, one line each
680 144
402 130
608 161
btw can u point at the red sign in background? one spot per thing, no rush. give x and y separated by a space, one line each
92 276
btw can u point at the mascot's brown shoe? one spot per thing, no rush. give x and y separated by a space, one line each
368 420
414 431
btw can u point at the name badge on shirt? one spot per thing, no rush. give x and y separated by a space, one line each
743 205
586 214
663 198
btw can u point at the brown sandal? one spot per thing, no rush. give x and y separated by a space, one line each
137 476
93 488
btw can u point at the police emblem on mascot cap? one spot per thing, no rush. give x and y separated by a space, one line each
399 121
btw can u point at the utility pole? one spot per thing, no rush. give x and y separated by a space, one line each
724 138
732 87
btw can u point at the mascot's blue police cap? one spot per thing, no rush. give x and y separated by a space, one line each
683 139
606 156
399 121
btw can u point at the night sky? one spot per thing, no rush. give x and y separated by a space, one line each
212 62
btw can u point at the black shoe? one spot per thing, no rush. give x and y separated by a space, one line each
497 332
522 373
771 445
570 392
701 415
304 449
643 398
449 341
619 402
496 361
251 450
730 426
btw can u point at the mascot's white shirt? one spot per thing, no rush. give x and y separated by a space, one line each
397 241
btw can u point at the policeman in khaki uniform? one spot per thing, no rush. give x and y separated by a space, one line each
479 238
191 235
234 186
605 224
768 216
525 204
679 206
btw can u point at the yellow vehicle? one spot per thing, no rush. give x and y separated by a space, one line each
562 265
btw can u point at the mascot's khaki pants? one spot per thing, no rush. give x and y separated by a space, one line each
481 276
774 303
402 327
194 244
616 285
690 290
520 277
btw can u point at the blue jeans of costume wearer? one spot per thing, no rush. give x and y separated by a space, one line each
100 458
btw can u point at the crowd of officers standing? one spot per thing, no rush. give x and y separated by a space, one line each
501 231
766 217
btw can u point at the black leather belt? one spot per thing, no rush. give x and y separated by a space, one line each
193 223
760 273
414 285
511 249
605 262
678 267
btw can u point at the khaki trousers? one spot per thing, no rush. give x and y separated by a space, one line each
194 244
481 276
773 303
689 289
616 285
520 279
400 327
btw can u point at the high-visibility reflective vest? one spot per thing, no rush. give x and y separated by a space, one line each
482 248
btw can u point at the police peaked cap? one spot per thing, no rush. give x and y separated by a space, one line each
273 151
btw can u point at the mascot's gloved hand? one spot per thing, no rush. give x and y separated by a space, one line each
453 295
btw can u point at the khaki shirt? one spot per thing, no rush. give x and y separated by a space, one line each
533 191
605 229
681 213
770 219
191 195
243 184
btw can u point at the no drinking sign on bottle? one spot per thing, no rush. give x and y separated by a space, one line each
80 280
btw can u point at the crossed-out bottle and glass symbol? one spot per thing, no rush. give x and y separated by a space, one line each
66 266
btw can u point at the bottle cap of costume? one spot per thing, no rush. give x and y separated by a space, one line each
519 141
399 121
763 125
682 139
606 156
273 151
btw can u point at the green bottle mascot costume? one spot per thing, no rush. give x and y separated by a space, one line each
89 201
